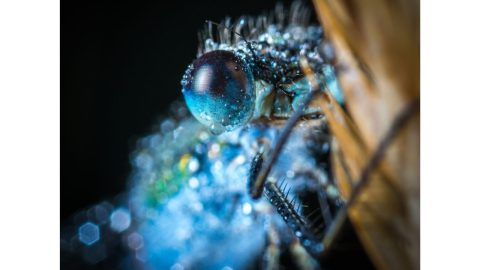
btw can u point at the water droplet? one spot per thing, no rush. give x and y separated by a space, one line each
247 208
216 129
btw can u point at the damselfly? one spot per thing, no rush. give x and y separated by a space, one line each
244 183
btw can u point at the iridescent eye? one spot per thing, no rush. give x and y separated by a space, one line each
219 90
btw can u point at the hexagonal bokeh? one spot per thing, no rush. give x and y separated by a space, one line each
89 233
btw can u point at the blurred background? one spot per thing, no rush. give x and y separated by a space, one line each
121 65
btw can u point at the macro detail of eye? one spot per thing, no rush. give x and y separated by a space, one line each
219 91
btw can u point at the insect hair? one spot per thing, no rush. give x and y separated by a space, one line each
250 28
249 44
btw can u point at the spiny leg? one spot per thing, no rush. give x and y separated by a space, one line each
284 207
259 181
255 166
300 227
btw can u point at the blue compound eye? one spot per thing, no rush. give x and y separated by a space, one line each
219 91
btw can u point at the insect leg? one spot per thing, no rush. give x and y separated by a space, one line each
399 122
255 167
259 181
294 220
271 258
302 259
324 207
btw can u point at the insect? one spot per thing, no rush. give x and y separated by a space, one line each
244 183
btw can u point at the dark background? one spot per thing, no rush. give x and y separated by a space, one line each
121 65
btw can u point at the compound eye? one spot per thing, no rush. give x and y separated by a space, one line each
219 91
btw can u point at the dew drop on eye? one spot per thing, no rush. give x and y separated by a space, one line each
219 91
